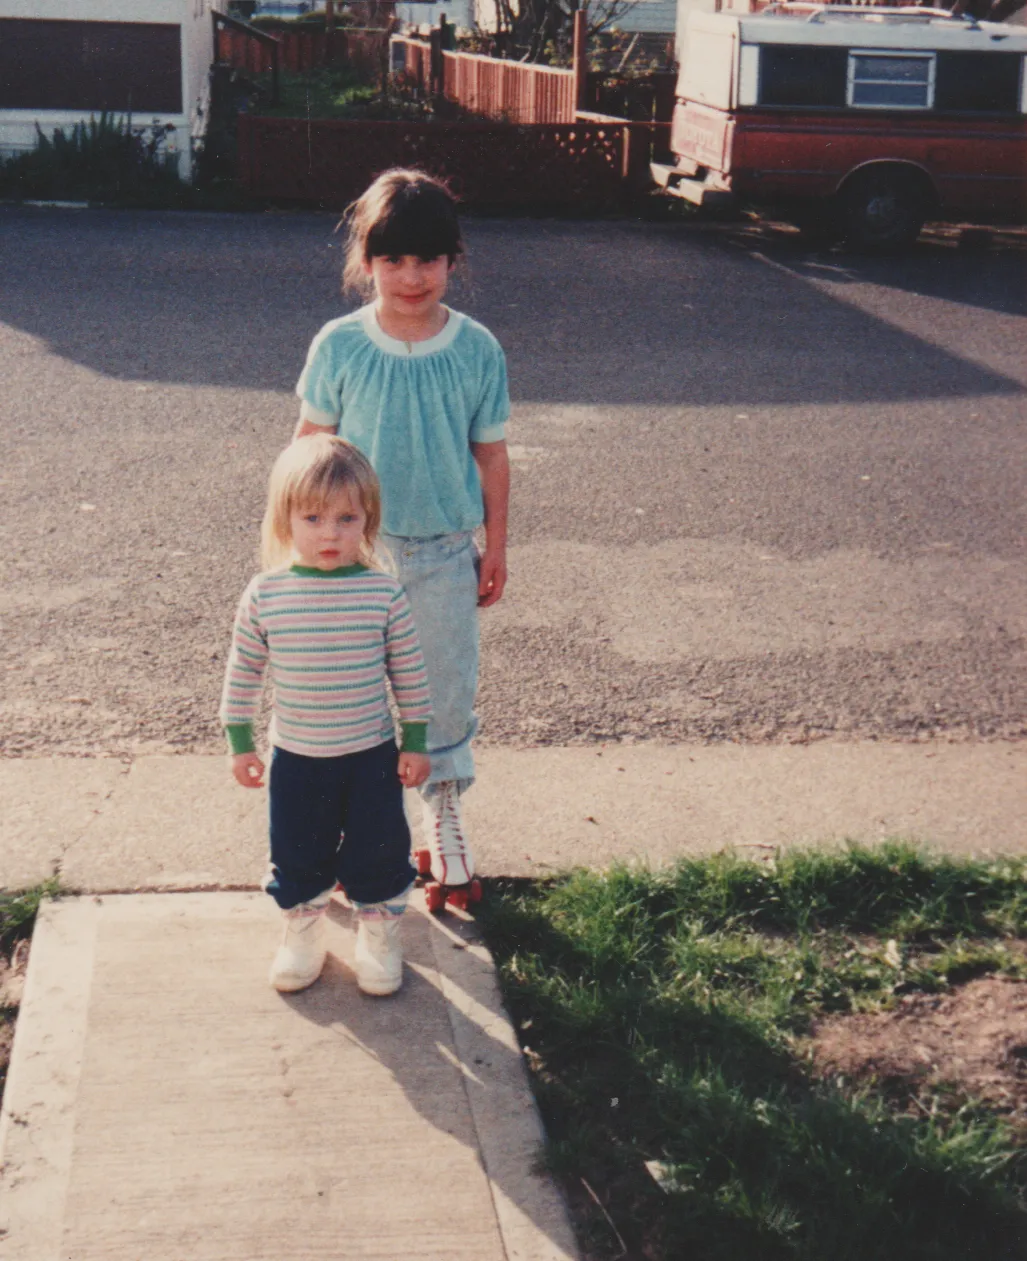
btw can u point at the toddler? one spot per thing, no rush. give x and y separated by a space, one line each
331 629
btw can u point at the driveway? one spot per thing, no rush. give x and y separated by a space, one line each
760 494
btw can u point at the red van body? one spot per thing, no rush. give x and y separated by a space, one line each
864 122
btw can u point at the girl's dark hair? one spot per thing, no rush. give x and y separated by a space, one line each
403 212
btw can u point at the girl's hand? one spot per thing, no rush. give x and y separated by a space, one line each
413 769
491 577
248 770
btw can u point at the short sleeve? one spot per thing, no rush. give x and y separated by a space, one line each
493 411
318 386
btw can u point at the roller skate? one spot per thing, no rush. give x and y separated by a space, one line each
445 863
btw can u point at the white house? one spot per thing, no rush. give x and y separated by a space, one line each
649 17
65 61
645 16
425 15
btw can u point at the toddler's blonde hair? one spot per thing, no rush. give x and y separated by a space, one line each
306 475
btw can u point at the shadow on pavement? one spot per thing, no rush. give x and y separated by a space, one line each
984 269
447 1023
588 312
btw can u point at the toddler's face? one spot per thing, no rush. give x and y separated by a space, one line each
328 535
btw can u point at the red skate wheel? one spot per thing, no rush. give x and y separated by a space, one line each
457 898
434 897
474 892
422 860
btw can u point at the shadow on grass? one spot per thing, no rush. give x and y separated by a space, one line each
634 1063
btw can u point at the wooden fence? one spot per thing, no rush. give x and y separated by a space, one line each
536 151
411 58
640 97
299 50
520 92
583 166
508 91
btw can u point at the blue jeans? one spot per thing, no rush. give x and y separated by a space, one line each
312 800
441 580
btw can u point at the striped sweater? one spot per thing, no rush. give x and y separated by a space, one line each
331 639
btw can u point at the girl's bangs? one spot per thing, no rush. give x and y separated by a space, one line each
422 225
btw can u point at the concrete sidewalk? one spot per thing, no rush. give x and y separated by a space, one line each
165 1103
182 823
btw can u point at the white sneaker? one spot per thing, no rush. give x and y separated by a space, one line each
451 861
301 955
378 958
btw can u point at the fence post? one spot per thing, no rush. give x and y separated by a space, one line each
637 144
435 64
580 58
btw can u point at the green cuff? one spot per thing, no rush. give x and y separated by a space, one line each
415 737
240 738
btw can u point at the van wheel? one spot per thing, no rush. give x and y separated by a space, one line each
883 210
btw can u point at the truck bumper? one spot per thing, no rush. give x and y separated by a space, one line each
701 192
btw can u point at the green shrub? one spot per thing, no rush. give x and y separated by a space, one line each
102 160
314 21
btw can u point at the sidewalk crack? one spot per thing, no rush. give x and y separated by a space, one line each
58 862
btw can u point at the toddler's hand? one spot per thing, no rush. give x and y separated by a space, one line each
248 770
413 769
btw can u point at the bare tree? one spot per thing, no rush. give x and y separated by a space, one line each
534 28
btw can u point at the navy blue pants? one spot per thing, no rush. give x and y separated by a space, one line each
313 800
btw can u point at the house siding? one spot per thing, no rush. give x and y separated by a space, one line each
645 16
460 12
148 57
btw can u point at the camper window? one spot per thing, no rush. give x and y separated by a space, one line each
890 80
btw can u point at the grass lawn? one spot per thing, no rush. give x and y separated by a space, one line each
675 1023
333 92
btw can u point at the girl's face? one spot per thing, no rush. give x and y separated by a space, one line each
329 535
409 287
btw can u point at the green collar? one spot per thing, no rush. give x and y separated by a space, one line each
344 571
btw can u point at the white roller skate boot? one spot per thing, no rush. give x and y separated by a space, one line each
378 958
301 955
446 858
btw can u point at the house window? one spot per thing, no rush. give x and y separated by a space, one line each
123 67
891 80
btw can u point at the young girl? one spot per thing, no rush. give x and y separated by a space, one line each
421 390
332 628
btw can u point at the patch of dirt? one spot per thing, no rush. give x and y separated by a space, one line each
973 1039
12 984
12 974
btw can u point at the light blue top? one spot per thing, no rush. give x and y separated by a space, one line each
413 408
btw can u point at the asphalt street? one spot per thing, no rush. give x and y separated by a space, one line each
760 494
